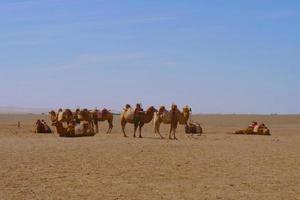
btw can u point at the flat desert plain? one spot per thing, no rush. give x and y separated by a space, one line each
216 165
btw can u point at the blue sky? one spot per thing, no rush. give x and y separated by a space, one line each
217 56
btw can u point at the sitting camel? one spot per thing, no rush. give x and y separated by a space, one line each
261 129
42 127
172 117
138 119
72 129
101 116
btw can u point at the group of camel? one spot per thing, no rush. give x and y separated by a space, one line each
81 122
85 122
162 115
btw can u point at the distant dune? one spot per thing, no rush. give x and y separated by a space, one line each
20 110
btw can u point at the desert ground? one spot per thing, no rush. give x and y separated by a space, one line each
215 165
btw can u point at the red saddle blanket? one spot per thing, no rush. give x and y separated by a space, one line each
102 113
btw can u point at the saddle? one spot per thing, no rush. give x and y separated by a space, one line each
102 113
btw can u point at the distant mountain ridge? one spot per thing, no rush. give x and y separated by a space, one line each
21 110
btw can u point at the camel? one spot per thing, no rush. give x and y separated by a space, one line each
262 130
141 118
172 117
40 127
100 116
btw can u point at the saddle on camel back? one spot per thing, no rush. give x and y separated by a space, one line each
102 113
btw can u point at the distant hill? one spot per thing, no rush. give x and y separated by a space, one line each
20 110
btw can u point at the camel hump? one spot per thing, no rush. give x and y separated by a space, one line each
127 106
128 114
60 116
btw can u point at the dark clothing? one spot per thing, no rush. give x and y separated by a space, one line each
174 120
137 115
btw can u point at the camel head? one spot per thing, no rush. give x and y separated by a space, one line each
186 110
151 109
185 115
174 107
161 109
53 116
127 106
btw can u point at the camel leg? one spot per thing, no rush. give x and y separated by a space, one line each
110 126
123 124
174 132
140 130
156 129
135 128
171 129
96 125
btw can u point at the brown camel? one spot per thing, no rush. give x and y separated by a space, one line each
41 127
101 116
138 119
172 117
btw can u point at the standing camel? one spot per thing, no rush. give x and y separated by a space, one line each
138 119
101 116
172 117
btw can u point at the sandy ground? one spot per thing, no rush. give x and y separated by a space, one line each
216 165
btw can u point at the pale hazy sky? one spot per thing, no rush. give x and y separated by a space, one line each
217 56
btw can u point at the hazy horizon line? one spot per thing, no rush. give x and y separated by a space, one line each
39 110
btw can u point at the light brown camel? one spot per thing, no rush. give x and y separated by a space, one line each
172 117
101 116
138 119
262 130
